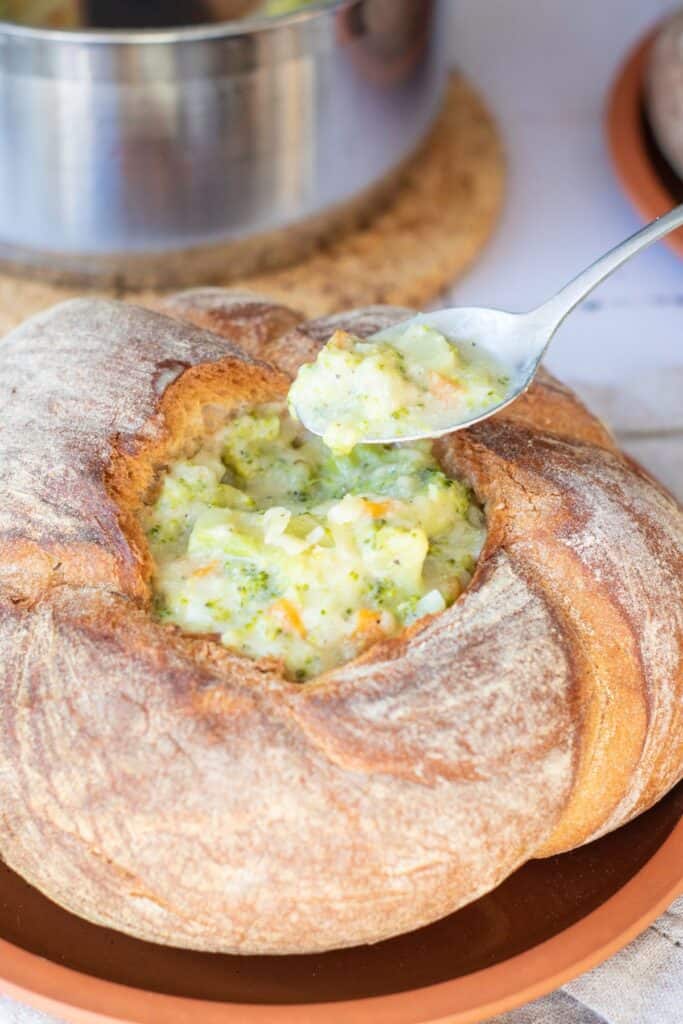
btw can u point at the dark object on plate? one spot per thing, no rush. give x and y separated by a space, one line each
647 178
664 90
665 172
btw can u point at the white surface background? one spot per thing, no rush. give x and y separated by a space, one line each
545 67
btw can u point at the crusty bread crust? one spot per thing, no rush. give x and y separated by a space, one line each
190 796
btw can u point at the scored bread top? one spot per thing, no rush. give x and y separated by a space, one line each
194 797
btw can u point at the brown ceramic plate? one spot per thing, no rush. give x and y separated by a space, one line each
645 176
550 921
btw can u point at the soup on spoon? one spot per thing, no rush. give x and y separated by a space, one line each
413 381
402 383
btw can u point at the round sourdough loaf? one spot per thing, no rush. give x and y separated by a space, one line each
158 783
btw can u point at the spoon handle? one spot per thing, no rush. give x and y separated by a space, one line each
561 304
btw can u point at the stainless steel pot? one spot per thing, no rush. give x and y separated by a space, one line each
161 157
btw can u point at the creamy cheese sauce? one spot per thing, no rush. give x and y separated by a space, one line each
267 539
413 381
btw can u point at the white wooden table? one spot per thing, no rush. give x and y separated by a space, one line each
545 67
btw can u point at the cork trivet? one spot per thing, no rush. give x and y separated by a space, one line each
431 231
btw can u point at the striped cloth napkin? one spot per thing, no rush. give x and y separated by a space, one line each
643 984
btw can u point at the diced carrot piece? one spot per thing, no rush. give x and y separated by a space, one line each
205 570
341 339
376 509
442 387
369 625
289 616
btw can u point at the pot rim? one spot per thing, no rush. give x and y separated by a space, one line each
253 24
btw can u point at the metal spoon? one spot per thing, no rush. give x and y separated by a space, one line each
518 340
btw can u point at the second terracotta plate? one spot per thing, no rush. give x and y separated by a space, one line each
645 176
550 921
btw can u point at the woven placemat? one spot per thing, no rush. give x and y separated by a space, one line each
431 231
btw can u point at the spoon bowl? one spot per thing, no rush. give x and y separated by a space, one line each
514 340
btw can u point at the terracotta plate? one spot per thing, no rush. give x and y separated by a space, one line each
550 921
647 179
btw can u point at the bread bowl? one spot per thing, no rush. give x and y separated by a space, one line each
161 784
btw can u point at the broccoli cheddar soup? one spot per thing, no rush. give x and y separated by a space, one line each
288 551
400 383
